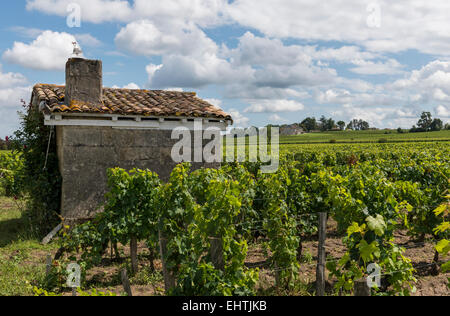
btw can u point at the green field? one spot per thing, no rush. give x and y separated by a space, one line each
365 137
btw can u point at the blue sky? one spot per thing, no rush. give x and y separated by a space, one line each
260 60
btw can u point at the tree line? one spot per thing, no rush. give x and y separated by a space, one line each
324 124
426 123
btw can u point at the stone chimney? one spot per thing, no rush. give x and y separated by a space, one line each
84 83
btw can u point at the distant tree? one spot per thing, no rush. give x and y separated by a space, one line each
425 121
447 126
326 124
436 125
363 125
399 130
358 125
309 124
341 125
323 123
330 124
415 129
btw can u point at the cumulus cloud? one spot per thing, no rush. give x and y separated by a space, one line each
94 11
249 91
131 85
146 39
276 118
10 79
334 96
344 54
404 25
49 51
256 63
420 24
272 106
277 66
379 116
428 84
238 118
215 102
27 31
194 72
13 88
367 67
202 12
88 40
442 111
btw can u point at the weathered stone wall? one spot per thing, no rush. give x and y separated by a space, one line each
85 153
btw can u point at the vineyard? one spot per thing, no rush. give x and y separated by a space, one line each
237 231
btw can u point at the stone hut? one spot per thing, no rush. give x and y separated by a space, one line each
291 130
99 128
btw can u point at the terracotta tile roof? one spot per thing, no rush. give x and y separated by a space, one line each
132 102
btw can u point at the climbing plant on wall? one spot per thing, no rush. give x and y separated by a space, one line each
40 177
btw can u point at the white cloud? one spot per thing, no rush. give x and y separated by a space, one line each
405 24
94 11
344 54
131 85
176 89
442 111
276 118
148 39
27 31
334 96
10 79
272 106
13 89
419 24
428 84
365 67
194 71
202 12
49 51
88 40
238 118
249 91
378 116
215 102
152 69
276 64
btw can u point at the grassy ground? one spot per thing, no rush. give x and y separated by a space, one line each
22 258
366 136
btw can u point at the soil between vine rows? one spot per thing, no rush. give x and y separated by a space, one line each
421 255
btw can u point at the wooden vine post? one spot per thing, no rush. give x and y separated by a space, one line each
169 279
320 271
361 288
126 282
217 253
133 252
48 265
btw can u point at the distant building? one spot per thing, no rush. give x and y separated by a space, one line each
291 130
